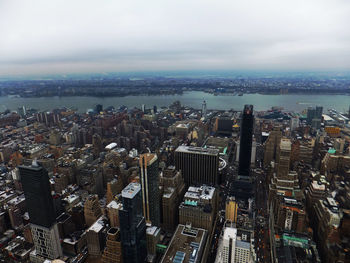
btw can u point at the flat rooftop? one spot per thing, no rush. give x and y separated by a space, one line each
197 150
131 190
187 243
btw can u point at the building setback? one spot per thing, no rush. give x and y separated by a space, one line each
198 165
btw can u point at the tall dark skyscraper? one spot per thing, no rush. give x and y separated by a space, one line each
132 225
36 187
39 203
150 188
246 139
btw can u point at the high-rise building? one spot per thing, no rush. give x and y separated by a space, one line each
314 113
113 251
150 188
283 158
246 139
199 207
272 144
173 191
113 213
223 125
235 247
92 210
152 238
198 165
39 202
96 237
204 109
229 244
132 225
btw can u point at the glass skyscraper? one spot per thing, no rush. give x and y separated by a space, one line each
132 225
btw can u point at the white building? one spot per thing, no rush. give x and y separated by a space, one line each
233 248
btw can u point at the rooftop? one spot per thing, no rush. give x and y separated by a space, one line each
115 205
131 190
97 226
187 244
149 158
198 150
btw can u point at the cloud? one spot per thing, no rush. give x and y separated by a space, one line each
61 36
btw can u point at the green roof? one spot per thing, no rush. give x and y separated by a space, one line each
189 202
331 151
291 239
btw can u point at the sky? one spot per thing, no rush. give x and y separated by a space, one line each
83 36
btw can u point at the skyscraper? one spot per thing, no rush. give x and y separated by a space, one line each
246 138
283 158
150 188
132 225
204 109
39 202
198 165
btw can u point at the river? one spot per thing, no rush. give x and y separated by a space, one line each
292 102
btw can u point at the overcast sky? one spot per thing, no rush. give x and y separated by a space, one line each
67 36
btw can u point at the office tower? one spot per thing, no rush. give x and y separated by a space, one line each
152 239
272 144
223 125
319 111
283 158
113 250
229 244
198 165
199 207
311 112
96 237
132 225
246 139
314 113
150 188
204 109
143 108
36 187
173 191
92 210
113 213
290 214
98 108
235 246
